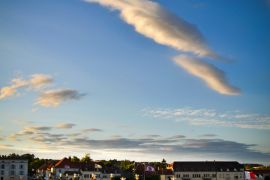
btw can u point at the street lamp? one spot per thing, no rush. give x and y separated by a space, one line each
67 176
137 176
123 178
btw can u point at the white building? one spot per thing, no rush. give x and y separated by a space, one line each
13 169
208 170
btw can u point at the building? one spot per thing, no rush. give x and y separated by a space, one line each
208 170
13 169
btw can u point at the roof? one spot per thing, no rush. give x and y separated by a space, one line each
67 163
46 165
207 166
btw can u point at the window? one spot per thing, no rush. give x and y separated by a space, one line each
12 173
2 166
21 173
86 176
196 175
214 175
186 175
12 166
2 172
21 166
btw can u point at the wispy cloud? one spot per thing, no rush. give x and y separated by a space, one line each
211 117
155 22
53 98
211 75
35 81
65 125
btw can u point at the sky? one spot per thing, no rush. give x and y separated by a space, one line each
136 79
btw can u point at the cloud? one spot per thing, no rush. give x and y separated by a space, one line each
174 147
92 130
208 135
211 117
211 75
35 81
53 98
40 83
155 22
65 125
40 80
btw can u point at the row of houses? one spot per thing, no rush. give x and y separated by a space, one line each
193 170
181 170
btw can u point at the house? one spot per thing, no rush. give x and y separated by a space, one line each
15 169
65 167
208 170
44 170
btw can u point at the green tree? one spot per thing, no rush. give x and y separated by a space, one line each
86 158
75 159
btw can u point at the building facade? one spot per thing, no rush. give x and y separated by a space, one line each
208 170
11 169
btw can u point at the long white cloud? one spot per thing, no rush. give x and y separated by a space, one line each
211 75
155 22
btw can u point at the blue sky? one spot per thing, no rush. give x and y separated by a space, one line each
191 83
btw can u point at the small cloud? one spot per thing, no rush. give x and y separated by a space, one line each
53 98
208 135
153 136
37 128
65 125
40 80
92 130
177 137
211 75
35 81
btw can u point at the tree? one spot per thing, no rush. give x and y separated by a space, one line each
86 158
75 159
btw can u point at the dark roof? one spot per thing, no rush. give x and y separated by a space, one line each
64 163
207 166
67 163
